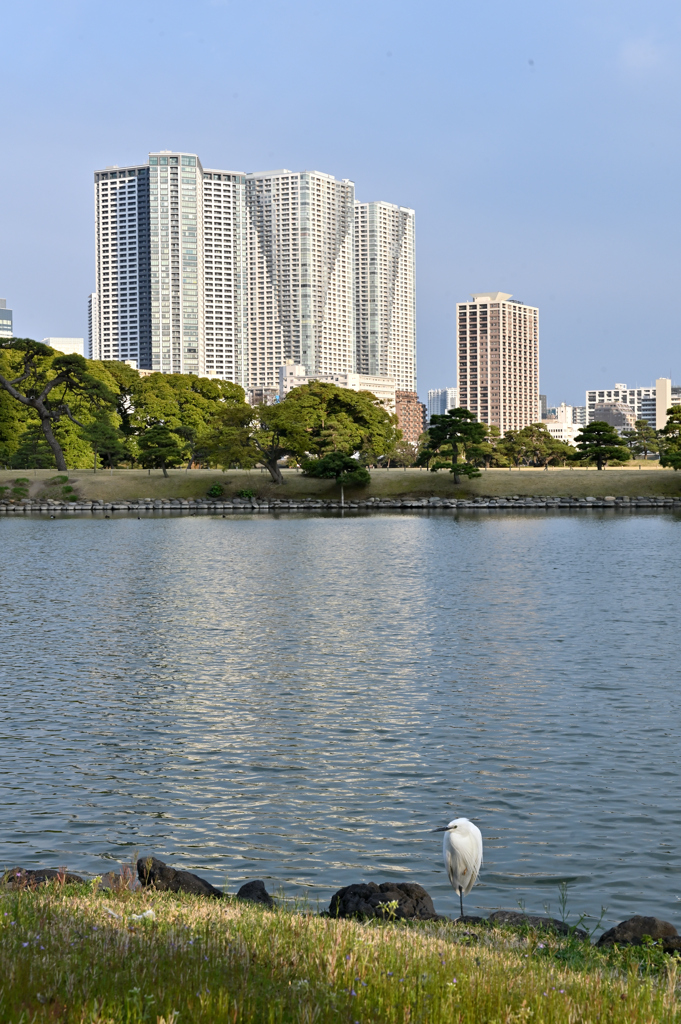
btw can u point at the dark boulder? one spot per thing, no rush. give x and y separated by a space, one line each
255 892
18 878
369 900
155 874
632 931
544 924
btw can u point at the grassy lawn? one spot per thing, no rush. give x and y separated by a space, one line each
80 956
645 479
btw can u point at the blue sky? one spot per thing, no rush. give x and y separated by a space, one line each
538 142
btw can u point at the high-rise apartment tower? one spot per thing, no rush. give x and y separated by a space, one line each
442 399
498 360
385 292
298 268
168 245
5 320
227 274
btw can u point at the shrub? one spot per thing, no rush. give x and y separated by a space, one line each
216 491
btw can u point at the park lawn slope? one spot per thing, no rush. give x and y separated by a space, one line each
124 484
74 954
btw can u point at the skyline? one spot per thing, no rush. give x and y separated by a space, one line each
537 147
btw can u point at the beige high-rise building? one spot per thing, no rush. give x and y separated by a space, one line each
498 360
385 292
298 267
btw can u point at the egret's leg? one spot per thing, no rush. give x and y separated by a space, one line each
461 899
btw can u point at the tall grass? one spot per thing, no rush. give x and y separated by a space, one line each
74 954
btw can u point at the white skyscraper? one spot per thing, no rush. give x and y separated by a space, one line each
92 324
385 292
121 327
227 274
168 241
298 264
442 399
5 320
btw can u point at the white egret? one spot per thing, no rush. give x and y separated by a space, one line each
462 853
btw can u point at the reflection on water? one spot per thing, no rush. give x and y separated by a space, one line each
301 699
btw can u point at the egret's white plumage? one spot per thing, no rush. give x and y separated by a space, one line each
462 853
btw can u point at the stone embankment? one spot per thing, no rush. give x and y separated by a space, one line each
252 505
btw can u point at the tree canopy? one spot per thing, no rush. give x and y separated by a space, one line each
339 420
451 436
313 420
600 443
54 389
160 448
345 470
670 451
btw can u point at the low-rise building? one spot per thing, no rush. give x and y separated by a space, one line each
565 432
617 414
648 404
68 346
560 423
293 375
411 416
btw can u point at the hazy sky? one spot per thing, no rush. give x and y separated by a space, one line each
537 140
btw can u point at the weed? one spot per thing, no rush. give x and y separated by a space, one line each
215 491
245 493
70 956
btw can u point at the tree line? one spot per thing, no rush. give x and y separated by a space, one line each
456 441
65 411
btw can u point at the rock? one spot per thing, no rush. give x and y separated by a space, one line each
154 873
632 931
255 892
535 921
17 878
368 900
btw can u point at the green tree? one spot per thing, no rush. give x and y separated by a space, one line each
345 470
50 385
340 420
161 448
401 455
31 450
646 439
670 438
600 443
488 452
106 441
452 435
247 435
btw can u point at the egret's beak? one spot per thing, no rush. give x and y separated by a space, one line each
444 828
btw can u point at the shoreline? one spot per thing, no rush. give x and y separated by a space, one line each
182 506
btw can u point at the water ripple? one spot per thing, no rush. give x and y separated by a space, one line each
301 699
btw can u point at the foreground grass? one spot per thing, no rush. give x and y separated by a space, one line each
648 481
72 954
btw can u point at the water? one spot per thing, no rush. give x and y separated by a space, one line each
300 699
